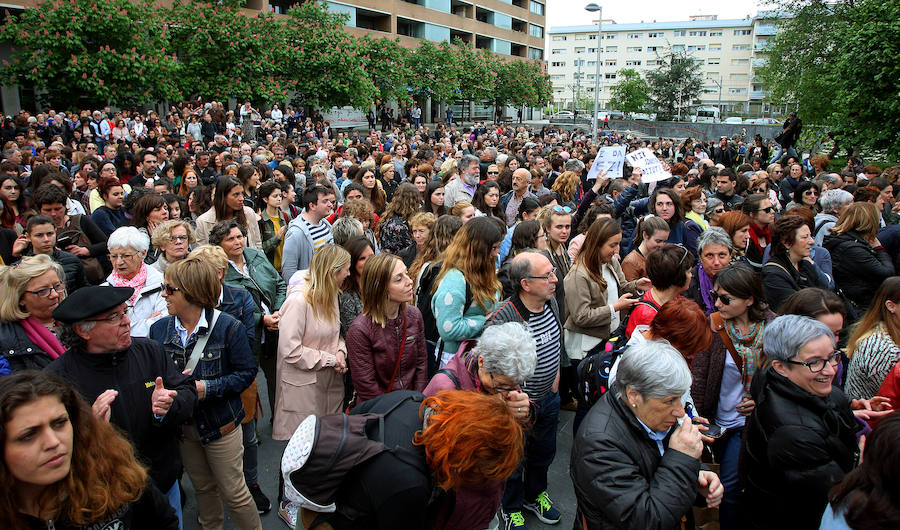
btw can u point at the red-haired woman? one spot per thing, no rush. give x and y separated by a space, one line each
446 455
63 467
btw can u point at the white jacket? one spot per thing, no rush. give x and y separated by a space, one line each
149 307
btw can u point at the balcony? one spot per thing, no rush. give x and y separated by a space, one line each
763 46
766 29
760 62
759 94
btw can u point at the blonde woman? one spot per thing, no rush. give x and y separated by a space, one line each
565 187
386 343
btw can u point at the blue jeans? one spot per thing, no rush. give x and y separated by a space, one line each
174 497
727 450
779 152
251 465
530 479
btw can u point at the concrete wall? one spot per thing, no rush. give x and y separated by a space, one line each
666 129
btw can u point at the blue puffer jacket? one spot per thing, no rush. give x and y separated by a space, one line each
226 368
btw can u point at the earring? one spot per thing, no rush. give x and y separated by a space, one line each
634 405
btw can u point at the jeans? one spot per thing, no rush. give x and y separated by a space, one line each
251 465
779 151
727 450
530 479
174 498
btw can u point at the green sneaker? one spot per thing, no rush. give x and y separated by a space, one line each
513 520
543 508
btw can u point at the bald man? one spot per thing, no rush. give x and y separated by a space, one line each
513 198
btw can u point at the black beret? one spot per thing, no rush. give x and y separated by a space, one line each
90 301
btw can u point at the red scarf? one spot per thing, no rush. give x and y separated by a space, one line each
756 232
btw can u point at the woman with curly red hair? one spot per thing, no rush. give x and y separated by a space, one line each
65 468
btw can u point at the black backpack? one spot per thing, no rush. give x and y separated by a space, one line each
619 333
593 371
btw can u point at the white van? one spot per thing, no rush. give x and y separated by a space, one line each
707 115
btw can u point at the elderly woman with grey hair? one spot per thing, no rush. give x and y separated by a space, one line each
502 360
173 238
714 247
633 465
127 249
801 438
833 202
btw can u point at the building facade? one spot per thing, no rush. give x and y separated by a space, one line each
728 52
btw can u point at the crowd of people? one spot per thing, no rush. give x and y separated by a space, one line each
152 266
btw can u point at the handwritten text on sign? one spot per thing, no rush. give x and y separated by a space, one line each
609 159
652 169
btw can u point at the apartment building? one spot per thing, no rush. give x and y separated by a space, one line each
727 51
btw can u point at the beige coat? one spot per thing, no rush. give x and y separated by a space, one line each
307 381
207 221
588 310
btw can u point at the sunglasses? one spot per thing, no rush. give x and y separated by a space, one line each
493 172
769 209
170 290
759 190
563 209
724 297
811 192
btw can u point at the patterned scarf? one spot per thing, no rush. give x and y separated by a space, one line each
749 347
137 283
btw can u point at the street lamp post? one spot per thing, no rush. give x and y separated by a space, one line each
592 7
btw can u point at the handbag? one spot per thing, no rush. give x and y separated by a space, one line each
200 345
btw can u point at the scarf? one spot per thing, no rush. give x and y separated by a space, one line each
697 218
42 337
755 232
706 287
137 283
749 346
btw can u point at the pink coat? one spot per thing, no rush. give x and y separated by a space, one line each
307 382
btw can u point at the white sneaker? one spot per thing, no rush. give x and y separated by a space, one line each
288 513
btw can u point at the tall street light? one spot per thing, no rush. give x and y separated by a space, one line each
592 7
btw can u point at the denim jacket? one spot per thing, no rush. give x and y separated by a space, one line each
226 368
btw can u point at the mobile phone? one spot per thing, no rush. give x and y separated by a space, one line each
64 241
713 430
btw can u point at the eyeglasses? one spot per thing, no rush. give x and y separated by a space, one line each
170 290
179 238
768 209
719 210
500 390
777 171
817 365
563 209
112 318
493 172
547 277
123 257
683 256
724 297
811 192
46 291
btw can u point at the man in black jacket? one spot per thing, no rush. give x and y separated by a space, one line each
40 236
724 154
725 182
130 382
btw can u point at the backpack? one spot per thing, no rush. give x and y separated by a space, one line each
325 449
593 371
619 332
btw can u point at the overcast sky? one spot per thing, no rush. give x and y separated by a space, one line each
572 13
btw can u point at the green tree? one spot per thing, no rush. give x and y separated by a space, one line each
387 64
674 84
434 74
83 53
631 93
835 64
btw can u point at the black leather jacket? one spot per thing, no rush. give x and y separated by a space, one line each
796 447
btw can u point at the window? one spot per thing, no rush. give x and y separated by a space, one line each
592 37
536 31
740 47
739 32
738 77
557 77
610 63
536 7
634 35
715 47
558 63
558 38
612 49
610 36
592 77
737 90
536 54
678 47
592 64
697 33
592 50
696 48
557 51
580 37
656 34
654 62
632 63
740 62
635 49
713 61
579 49
715 33
610 76
652 48
680 33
